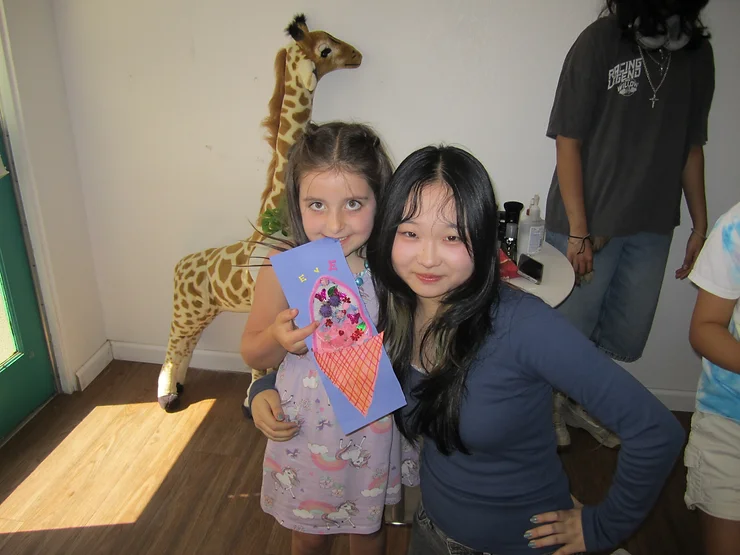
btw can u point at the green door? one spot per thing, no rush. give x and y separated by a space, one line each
26 374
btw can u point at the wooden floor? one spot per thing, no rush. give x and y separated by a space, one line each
106 471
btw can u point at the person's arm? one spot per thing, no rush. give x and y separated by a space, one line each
694 191
693 188
259 348
709 333
717 274
570 178
651 436
581 87
265 383
270 333
267 411
692 179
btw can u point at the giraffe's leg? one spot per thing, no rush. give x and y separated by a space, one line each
179 353
193 310
182 371
168 390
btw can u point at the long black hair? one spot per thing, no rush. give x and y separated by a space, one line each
653 16
465 317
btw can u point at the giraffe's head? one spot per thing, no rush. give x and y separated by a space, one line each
325 51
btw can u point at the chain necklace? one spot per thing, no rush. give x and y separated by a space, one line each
663 59
655 98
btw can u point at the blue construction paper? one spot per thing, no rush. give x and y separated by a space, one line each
298 270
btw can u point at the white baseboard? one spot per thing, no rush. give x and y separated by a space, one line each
94 366
232 362
676 400
202 359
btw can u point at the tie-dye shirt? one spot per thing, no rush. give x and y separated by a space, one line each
717 271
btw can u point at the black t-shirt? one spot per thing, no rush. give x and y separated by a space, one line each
634 150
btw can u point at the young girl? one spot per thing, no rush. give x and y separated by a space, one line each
712 455
478 362
317 481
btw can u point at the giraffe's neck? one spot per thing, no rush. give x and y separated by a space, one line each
295 113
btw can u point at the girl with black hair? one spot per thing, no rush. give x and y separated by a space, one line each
478 361
629 121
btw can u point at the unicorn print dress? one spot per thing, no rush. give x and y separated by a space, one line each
322 481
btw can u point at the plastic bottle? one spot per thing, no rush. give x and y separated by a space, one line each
531 229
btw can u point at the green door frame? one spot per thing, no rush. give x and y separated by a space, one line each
27 378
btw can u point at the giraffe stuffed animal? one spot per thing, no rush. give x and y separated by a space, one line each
215 280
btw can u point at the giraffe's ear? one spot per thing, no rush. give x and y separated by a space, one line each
307 74
298 28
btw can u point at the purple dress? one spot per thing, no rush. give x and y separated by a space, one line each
321 481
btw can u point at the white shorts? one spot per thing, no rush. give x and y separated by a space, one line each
712 460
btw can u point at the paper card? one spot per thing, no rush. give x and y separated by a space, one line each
355 369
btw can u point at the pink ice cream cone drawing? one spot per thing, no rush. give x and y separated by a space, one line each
342 344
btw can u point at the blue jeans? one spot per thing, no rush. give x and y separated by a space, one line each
616 308
428 539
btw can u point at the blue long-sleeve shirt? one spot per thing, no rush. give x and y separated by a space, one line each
485 500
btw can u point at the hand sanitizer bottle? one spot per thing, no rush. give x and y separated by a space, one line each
531 229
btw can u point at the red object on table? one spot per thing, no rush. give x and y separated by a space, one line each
507 267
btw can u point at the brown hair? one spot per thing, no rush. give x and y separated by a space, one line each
346 147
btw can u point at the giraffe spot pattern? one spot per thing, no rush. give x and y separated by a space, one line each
290 91
302 116
234 297
304 100
288 104
223 270
242 258
283 146
280 176
284 124
192 290
218 291
236 281
297 134
231 249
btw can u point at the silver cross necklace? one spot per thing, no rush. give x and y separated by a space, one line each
654 98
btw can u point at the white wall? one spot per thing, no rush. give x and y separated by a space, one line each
35 108
165 99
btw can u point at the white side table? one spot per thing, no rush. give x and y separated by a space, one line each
558 277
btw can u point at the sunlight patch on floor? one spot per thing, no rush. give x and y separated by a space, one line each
106 471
